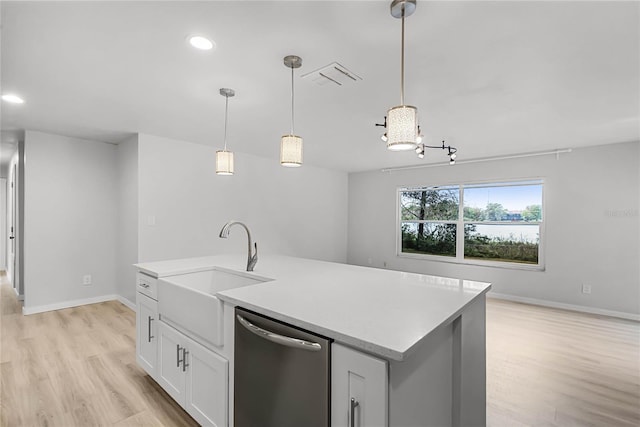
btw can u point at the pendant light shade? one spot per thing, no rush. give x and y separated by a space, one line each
402 130
291 151
402 121
224 158
224 162
291 145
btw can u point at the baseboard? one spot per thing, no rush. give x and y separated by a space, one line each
571 307
126 302
20 297
67 304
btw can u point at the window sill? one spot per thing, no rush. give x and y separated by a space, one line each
474 263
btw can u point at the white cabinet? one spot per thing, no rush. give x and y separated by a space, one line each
359 384
147 337
194 376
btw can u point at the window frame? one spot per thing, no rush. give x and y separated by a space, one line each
460 223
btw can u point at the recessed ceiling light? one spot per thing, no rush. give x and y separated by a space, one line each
14 99
200 42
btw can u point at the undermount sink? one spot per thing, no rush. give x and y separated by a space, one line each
188 300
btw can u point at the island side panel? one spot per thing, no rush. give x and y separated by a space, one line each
421 386
470 366
443 382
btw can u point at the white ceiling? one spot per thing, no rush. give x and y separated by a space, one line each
491 78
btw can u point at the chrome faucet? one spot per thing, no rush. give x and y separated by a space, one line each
252 258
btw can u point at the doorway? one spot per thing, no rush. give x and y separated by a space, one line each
11 258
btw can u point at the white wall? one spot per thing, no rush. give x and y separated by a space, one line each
127 235
294 211
592 197
70 219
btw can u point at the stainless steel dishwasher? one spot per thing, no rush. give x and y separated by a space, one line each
281 374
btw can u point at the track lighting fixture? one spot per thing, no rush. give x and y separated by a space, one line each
420 147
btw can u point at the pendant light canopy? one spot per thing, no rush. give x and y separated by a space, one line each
224 158
402 121
291 145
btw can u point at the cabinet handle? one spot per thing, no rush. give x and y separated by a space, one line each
354 405
144 285
178 355
184 359
149 333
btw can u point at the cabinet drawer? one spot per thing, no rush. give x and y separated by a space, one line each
147 285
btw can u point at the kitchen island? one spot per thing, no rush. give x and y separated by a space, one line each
423 336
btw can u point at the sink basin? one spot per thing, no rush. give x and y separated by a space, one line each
188 301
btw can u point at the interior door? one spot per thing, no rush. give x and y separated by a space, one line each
12 229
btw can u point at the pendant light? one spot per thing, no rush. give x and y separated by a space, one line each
224 158
291 145
402 122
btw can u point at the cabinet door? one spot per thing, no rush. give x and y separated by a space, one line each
358 389
147 336
171 369
207 384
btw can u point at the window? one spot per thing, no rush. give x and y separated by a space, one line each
493 223
429 217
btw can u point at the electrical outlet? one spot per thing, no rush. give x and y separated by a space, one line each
86 279
586 289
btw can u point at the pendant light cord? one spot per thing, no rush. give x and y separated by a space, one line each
402 63
226 119
292 100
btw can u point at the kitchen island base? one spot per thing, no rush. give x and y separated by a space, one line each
441 383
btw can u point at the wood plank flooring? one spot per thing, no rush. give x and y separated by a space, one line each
76 367
545 367
549 367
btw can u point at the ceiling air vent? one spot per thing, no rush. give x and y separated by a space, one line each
332 74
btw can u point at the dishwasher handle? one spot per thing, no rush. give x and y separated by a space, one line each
277 338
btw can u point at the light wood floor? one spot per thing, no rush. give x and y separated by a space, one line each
545 367
548 367
76 367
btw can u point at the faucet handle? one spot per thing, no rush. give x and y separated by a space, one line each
253 259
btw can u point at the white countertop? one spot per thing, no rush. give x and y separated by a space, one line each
384 312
